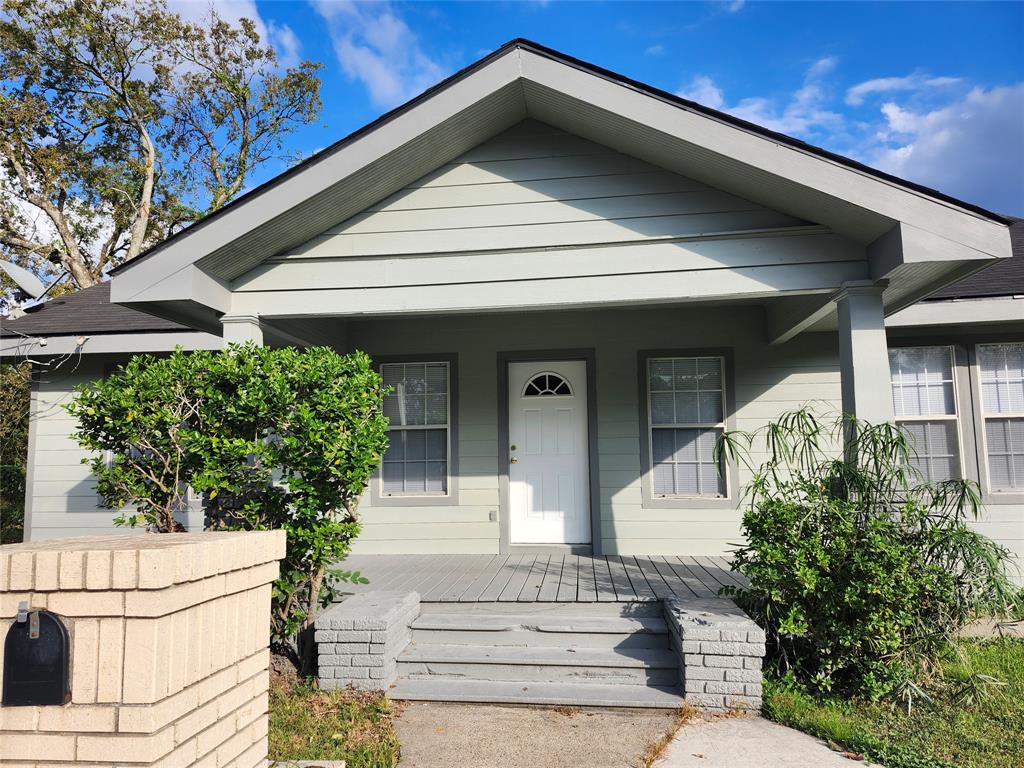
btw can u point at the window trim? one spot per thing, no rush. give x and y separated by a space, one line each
377 496
956 361
989 495
731 475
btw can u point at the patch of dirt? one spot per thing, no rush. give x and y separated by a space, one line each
283 671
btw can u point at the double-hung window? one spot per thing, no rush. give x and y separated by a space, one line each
1001 367
924 400
686 416
418 408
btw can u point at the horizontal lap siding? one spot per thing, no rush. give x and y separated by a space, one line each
60 498
790 374
541 214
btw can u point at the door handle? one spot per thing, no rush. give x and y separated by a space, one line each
513 460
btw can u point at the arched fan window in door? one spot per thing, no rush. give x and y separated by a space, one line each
547 385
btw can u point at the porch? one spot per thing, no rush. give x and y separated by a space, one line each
544 578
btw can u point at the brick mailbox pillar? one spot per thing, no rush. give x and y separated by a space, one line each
168 648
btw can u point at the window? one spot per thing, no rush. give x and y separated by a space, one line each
547 385
924 399
686 415
416 461
1001 367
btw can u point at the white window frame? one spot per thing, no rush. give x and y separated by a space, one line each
954 417
384 497
985 416
651 426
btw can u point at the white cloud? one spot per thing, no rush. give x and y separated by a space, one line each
734 6
654 50
280 36
803 113
856 95
376 47
972 148
703 90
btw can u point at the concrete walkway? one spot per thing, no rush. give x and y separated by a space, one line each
748 742
435 735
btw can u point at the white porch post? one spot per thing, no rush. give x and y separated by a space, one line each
864 354
239 329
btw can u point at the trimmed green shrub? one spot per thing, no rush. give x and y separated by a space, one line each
272 439
860 572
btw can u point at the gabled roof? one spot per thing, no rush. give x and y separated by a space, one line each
87 312
916 238
537 48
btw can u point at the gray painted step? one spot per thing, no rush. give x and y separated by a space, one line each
489 654
649 609
477 622
520 639
642 666
571 694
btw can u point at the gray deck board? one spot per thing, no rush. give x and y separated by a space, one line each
549 589
531 589
570 574
519 576
530 578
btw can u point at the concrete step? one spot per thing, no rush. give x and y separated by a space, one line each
521 638
641 666
541 623
566 694
654 609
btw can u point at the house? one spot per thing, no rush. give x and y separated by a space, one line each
575 282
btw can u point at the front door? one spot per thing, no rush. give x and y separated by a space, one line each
549 483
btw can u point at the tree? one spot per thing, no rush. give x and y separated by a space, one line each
14 403
273 439
120 123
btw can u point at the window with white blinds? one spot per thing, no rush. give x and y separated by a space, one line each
924 399
1001 368
418 408
686 416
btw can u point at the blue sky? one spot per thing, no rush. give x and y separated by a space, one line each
933 92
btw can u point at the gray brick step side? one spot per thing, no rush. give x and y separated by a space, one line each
565 694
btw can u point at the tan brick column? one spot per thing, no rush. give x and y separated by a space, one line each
169 648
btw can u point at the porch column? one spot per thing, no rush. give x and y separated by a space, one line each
864 354
239 329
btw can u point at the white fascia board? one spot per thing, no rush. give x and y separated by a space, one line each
319 174
186 284
821 174
106 343
1005 309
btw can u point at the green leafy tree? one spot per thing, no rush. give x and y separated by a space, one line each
14 403
272 438
120 122
860 571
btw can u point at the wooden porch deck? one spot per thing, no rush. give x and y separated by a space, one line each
543 578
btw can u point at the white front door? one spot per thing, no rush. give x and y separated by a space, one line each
548 475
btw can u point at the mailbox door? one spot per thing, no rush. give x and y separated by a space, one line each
36 668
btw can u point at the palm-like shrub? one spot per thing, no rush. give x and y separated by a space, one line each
860 571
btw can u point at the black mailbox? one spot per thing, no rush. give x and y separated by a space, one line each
36 660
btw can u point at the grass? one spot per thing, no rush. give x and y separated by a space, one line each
970 722
309 724
656 750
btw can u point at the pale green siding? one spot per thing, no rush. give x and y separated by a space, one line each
769 380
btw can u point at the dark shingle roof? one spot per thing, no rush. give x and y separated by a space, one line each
1006 278
87 312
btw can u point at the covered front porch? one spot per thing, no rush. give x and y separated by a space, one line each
544 578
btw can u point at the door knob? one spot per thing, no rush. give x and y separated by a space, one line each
513 460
